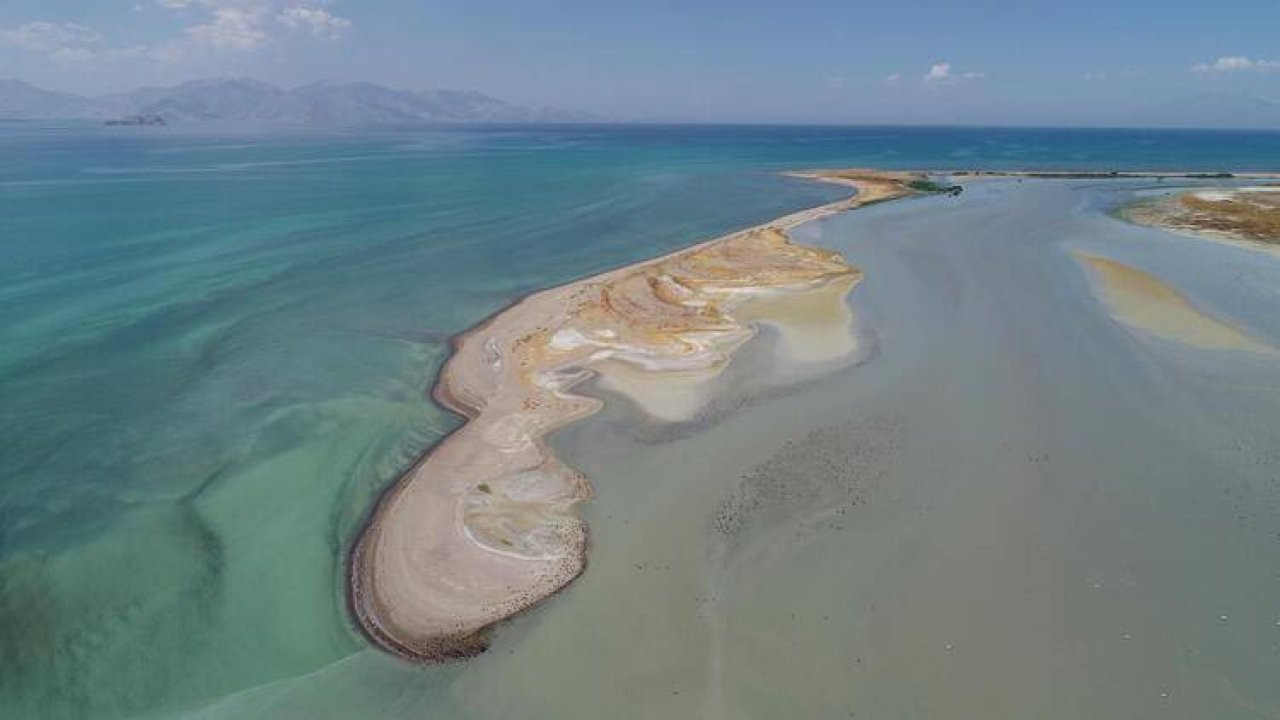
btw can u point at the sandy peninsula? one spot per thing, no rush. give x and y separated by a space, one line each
1239 215
485 524
1109 174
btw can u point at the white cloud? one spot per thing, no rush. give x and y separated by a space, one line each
60 42
231 28
893 78
181 4
47 37
214 26
72 55
321 23
1236 63
245 25
941 73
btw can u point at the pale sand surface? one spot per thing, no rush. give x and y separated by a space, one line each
666 396
484 525
814 327
1144 302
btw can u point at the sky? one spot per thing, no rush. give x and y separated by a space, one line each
1062 62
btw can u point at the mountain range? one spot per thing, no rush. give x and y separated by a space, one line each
249 101
246 100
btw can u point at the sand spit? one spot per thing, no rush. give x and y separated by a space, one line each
1144 302
484 525
1109 175
1240 215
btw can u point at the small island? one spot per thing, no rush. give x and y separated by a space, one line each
144 120
1250 214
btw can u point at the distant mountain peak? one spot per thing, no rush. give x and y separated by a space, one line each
20 99
247 99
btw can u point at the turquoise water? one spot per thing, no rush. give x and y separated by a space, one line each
214 352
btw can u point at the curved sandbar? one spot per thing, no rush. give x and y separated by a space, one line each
484 526
1143 301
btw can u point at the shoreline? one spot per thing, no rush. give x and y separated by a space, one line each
488 507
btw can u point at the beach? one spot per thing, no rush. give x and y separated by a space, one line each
486 526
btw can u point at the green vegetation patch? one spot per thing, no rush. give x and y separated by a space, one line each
929 186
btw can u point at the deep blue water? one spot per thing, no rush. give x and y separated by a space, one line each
215 347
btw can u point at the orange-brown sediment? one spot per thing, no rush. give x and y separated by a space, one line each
1249 214
1147 303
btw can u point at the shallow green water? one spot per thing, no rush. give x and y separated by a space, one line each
215 355
214 352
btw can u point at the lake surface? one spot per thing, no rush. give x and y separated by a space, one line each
214 352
